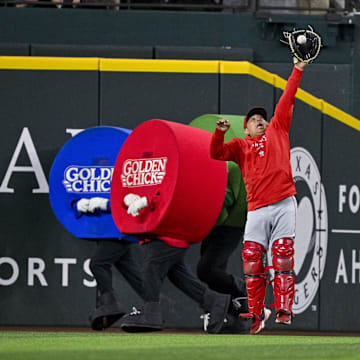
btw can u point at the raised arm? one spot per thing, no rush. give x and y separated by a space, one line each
218 149
285 106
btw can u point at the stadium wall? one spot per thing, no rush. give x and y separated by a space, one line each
44 274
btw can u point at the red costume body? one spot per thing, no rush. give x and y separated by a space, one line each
154 197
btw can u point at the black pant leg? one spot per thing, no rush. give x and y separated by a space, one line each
130 268
159 258
215 252
183 278
108 251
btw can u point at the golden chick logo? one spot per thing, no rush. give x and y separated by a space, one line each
143 172
87 179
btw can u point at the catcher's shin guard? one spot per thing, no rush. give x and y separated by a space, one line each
253 266
284 281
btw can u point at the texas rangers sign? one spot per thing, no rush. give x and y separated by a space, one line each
311 228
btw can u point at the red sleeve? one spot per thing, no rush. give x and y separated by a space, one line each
223 151
284 108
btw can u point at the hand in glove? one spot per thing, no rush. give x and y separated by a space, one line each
97 203
137 205
82 205
304 45
130 198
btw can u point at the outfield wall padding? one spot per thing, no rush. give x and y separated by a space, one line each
44 99
104 51
204 53
37 109
14 49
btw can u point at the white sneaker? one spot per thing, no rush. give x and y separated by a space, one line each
258 325
283 318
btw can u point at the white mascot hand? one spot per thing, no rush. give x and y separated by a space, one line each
137 205
82 205
97 203
130 198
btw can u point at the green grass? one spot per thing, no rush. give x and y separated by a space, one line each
108 346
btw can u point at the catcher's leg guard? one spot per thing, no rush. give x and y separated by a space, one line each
284 281
253 266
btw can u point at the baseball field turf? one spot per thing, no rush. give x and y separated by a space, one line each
159 346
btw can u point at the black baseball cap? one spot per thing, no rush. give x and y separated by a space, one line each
255 110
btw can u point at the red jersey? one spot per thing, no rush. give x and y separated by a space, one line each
264 160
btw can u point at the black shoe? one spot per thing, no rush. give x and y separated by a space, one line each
239 305
102 322
150 319
109 311
217 305
235 325
239 295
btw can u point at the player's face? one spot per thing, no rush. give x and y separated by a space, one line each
256 125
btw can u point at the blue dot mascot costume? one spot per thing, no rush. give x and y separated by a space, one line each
80 183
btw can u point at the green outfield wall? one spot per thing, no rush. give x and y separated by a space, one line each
239 36
44 274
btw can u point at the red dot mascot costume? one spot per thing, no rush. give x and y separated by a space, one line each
167 191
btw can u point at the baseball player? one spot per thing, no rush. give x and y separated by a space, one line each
264 159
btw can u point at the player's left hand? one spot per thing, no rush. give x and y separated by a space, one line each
304 45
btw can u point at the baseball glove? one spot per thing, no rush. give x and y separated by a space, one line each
304 44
